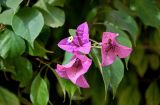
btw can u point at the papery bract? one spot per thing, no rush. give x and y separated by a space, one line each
111 48
75 70
82 30
78 43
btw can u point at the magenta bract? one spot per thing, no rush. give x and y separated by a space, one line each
78 43
75 70
111 49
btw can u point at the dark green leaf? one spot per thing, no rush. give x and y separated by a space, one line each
39 91
38 50
153 94
28 23
122 38
11 45
69 87
2 64
114 74
53 16
92 15
8 98
124 22
96 59
0 8
129 96
23 70
56 2
142 67
154 61
147 11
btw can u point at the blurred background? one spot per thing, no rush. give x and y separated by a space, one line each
139 20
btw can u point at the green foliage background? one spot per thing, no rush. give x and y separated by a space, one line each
31 29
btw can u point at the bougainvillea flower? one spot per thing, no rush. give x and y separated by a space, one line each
82 30
75 70
111 49
78 43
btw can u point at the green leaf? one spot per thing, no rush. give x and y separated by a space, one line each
6 66
23 70
111 75
8 98
28 23
53 16
13 3
154 61
69 87
38 50
39 91
142 67
114 74
56 2
147 11
153 94
6 17
66 85
92 14
122 7
2 64
129 96
96 59
72 32
122 38
67 57
11 45
137 53
0 8
124 22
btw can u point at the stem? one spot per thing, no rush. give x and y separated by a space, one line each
94 41
96 47
98 23
50 102
48 65
28 3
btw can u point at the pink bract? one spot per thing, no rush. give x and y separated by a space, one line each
111 49
78 43
75 70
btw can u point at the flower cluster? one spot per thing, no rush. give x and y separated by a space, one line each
79 45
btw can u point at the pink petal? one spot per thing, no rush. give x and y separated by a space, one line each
85 48
123 51
108 57
81 82
75 72
65 45
82 30
108 35
70 64
62 74
61 71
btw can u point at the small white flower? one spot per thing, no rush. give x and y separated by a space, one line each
70 39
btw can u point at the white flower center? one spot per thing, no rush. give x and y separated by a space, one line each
70 39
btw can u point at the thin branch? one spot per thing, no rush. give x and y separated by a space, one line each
96 47
28 3
94 41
